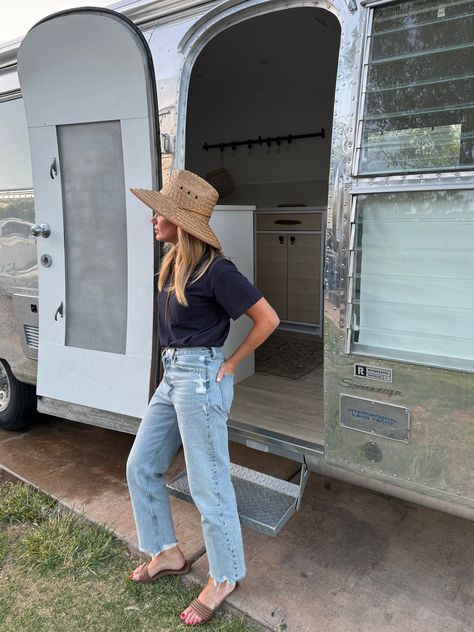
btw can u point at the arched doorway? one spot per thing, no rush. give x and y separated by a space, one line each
273 76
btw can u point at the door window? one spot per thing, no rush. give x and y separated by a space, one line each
95 235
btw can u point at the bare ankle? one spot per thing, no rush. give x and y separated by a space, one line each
172 552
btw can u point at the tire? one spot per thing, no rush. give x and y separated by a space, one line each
17 400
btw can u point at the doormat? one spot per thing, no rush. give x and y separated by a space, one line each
289 354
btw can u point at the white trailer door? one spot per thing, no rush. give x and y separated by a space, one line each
90 101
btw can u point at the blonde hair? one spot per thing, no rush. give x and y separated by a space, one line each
179 261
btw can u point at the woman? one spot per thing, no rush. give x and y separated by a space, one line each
199 290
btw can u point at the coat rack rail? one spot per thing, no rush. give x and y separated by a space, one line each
260 141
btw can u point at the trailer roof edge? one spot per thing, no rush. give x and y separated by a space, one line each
141 12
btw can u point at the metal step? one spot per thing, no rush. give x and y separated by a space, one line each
264 503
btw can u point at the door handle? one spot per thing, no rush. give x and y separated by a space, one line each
59 311
292 239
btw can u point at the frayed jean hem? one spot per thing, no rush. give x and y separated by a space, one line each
219 581
165 547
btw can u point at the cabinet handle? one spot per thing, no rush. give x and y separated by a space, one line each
281 238
289 222
292 239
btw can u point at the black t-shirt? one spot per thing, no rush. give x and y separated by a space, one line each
223 292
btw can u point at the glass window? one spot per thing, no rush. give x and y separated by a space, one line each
413 284
17 246
419 104
95 235
15 162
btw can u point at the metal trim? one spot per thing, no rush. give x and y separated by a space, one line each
221 8
397 188
409 491
11 95
410 357
290 209
362 89
375 3
283 445
87 415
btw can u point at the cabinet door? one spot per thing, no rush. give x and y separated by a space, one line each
272 270
304 274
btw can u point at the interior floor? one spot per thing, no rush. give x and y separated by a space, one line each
290 407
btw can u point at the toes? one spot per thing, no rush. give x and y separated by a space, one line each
190 618
185 614
193 618
136 573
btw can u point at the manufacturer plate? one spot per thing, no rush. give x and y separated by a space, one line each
377 418
373 372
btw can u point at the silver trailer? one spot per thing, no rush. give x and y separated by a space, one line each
348 130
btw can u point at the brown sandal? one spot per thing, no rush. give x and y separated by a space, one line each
203 611
145 578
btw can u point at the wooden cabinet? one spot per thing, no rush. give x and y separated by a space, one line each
288 258
272 270
304 278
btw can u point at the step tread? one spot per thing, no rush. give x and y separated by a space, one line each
264 502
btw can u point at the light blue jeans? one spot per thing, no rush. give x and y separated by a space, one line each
190 407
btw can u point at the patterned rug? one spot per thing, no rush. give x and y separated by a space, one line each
289 354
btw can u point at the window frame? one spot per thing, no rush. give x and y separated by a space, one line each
371 6
350 346
426 180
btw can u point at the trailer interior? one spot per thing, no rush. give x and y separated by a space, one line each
280 84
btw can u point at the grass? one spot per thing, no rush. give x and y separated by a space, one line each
59 572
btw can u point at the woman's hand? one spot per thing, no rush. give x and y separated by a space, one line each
225 367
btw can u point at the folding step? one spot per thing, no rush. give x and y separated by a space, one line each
264 503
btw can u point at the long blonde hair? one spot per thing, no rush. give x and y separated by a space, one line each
179 262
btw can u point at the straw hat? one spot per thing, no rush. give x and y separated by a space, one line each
187 200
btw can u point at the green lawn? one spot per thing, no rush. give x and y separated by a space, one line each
60 572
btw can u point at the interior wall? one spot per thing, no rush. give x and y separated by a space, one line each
271 75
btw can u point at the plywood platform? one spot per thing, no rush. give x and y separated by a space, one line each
289 407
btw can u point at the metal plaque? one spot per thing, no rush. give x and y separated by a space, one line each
378 418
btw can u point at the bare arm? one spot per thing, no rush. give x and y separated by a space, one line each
265 321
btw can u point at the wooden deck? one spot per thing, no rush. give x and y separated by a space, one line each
289 407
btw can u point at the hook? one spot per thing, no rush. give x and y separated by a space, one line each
53 169
59 311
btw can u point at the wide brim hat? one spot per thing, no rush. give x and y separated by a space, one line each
186 200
